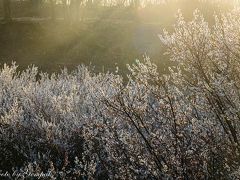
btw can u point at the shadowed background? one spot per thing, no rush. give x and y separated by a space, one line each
53 34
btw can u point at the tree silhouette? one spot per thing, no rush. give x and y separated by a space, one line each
7 10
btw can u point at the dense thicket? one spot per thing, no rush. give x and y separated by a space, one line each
184 125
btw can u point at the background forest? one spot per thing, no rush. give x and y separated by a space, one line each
104 33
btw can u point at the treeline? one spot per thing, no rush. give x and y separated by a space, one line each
89 126
80 9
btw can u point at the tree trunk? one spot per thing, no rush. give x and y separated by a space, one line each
65 10
35 4
53 16
7 10
74 8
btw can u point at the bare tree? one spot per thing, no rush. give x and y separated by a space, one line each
74 7
7 9
52 3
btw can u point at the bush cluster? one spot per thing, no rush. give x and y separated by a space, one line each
84 125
